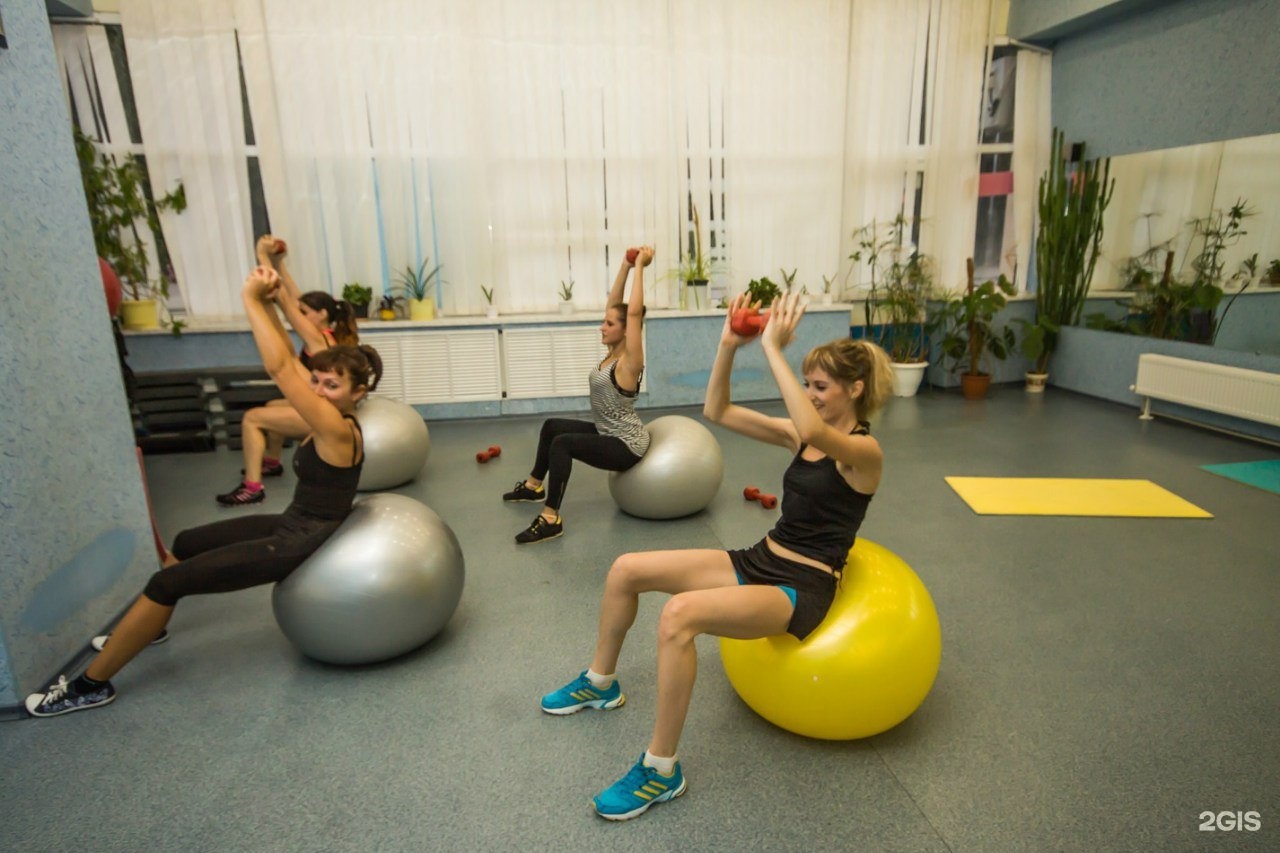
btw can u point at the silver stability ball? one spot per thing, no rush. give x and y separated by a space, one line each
396 443
384 583
678 476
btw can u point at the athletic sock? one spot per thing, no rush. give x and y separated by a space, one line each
604 682
85 684
665 766
270 461
253 485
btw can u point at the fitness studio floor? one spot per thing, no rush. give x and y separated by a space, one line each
1104 681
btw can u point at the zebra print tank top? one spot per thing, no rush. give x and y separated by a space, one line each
614 411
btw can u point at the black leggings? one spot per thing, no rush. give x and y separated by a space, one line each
236 554
563 440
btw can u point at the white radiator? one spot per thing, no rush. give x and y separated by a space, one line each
550 361
1249 394
439 367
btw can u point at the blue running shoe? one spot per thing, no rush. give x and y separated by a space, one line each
581 693
642 787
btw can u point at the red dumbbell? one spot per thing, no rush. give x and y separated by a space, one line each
493 452
281 247
631 255
768 501
748 322
751 493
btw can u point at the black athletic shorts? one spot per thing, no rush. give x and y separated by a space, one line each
811 590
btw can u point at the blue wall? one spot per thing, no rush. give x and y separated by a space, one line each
1141 76
75 537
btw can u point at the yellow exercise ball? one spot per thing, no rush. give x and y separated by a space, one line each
865 669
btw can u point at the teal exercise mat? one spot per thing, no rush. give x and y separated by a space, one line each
1264 474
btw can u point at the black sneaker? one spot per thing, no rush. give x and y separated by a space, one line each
242 494
523 493
275 469
62 698
101 640
540 529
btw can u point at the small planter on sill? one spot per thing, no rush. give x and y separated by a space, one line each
566 308
422 309
140 314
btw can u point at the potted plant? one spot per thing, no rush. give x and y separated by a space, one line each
695 268
566 296
966 323
117 199
389 306
491 310
1272 274
827 296
415 287
358 297
1071 203
762 291
894 309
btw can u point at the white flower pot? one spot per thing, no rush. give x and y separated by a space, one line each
907 377
566 308
491 313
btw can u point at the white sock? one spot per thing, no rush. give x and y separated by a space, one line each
665 766
604 682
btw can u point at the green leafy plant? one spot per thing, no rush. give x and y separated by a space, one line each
487 293
1168 305
121 211
1272 274
1072 200
967 325
417 284
901 280
390 302
763 291
357 294
695 266
566 290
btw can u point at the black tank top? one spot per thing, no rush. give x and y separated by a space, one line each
305 357
821 512
324 491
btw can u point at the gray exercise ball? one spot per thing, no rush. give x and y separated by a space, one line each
679 475
396 443
384 583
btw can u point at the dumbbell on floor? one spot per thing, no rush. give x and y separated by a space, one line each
493 452
767 501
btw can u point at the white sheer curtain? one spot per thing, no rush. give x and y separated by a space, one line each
182 57
1032 143
525 144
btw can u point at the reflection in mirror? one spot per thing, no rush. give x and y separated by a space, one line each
1165 202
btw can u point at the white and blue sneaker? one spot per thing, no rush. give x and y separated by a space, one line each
633 794
581 693
63 698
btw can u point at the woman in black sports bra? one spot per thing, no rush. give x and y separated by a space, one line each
248 551
784 583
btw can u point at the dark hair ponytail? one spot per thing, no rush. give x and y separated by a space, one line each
341 315
361 363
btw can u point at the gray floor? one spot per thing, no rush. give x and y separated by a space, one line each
1103 682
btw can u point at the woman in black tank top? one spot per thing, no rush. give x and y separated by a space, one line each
321 322
247 551
761 591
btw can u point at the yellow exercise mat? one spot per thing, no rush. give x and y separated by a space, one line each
1055 496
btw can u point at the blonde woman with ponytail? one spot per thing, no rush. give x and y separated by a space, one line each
785 583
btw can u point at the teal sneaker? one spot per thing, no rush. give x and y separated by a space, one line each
581 693
642 787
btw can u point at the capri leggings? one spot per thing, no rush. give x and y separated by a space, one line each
563 440
236 554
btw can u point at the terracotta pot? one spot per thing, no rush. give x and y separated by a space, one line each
1036 382
974 385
